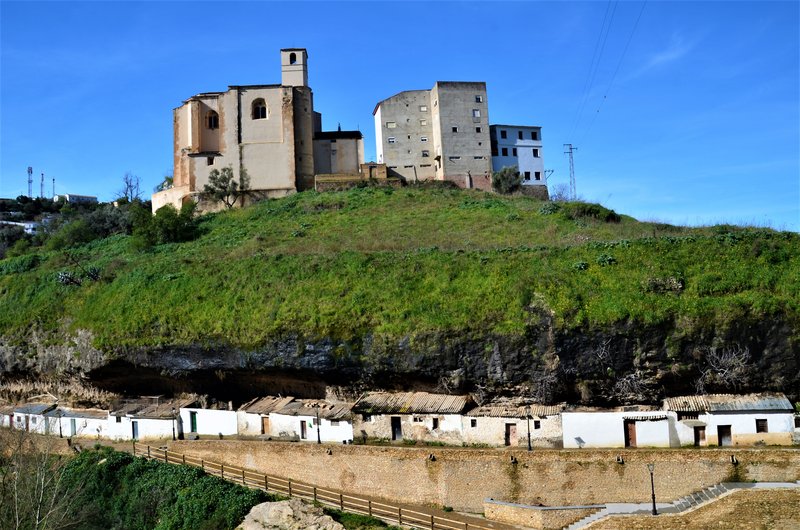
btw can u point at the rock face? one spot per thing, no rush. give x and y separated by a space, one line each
293 514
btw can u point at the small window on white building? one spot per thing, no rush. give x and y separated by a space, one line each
424 165
391 124
527 175
761 426
534 135
535 153
334 423
391 140
454 128
537 175
797 422
478 99
477 129
537 424
423 108
479 157
504 151
435 423
503 134
119 419
476 113
513 151
423 138
426 154
473 422
259 110
210 161
452 158
423 122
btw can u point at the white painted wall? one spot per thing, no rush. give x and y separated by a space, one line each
285 426
248 424
210 422
149 428
607 429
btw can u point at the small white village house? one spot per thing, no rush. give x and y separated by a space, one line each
631 426
82 423
209 421
253 417
312 420
6 416
31 417
411 416
508 424
728 419
148 418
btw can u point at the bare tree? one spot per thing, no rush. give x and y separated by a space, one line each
560 193
131 188
33 493
726 368
633 388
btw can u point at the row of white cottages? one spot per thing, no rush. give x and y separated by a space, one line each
709 420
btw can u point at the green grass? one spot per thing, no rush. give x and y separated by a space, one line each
401 263
352 521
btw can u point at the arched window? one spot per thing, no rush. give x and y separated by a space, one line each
259 109
212 120
292 58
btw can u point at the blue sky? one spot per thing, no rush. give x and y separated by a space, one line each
699 103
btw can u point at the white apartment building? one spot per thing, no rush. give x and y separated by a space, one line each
437 134
519 146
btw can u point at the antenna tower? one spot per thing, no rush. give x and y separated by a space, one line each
572 192
30 181
41 187
54 187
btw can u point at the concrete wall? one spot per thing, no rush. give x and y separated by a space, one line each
285 426
342 155
149 428
401 146
210 422
414 427
492 431
464 478
248 424
535 516
84 427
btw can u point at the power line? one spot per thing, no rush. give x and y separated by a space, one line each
594 66
616 71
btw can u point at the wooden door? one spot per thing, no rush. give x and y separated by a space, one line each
264 424
724 435
511 433
630 433
193 422
397 429
699 436
303 434
72 427
135 429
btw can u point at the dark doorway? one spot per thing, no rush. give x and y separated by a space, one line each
724 435
135 429
303 433
511 433
699 436
630 433
193 422
397 430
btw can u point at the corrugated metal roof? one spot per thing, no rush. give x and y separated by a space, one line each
159 410
510 410
729 402
643 417
309 407
411 403
96 414
34 408
265 405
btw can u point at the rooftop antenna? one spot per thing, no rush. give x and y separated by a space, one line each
41 187
569 150
30 181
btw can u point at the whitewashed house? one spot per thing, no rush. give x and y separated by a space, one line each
148 418
6 416
728 419
253 417
411 416
209 421
632 426
82 423
30 417
313 421
509 424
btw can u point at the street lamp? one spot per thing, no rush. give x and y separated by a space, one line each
528 417
173 424
651 468
316 409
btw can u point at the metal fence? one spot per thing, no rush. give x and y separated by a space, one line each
391 513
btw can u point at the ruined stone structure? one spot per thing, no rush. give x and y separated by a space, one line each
267 130
436 134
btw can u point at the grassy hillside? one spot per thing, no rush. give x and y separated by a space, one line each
402 262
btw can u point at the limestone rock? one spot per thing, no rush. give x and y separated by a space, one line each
293 514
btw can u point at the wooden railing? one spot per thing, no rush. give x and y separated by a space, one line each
391 513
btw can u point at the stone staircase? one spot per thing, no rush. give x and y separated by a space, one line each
684 504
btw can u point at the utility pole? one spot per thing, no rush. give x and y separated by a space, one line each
30 181
54 187
41 187
569 149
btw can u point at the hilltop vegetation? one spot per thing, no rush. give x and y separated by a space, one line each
459 288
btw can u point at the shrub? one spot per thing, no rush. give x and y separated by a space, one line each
19 264
549 208
580 265
606 259
580 210
507 180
